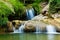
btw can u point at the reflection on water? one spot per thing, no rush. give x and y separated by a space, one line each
50 36
29 36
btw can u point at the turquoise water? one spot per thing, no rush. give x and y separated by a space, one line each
29 36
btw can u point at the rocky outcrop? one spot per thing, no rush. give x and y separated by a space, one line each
39 22
31 26
9 26
55 22
39 18
56 15
16 23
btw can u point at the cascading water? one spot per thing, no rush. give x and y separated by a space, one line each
30 13
38 29
20 30
50 29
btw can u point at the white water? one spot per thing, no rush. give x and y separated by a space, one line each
50 29
30 13
20 30
38 29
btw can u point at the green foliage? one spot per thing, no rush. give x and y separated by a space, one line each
5 10
3 21
17 4
19 8
38 1
37 7
8 7
52 8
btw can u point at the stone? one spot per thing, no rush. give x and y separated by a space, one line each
39 18
31 26
9 26
16 23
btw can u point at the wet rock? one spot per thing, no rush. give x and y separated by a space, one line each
16 23
58 29
39 18
45 9
31 26
55 22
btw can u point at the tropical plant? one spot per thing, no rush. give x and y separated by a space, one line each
37 7
54 6
19 8
8 7
5 10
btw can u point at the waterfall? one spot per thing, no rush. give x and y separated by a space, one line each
38 29
30 13
15 30
20 30
50 29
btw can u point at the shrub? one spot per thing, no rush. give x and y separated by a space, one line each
5 10
54 6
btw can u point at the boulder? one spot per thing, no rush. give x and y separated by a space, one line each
9 26
56 15
55 22
16 23
31 26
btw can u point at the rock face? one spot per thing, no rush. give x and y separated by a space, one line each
56 15
9 26
39 22
16 23
55 22
39 18
31 26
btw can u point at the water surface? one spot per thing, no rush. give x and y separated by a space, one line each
29 36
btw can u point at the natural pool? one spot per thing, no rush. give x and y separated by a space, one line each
29 36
